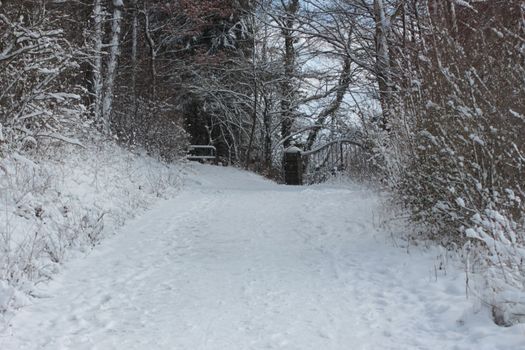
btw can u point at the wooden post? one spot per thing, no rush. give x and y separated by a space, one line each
293 166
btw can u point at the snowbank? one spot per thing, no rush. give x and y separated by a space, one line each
63 202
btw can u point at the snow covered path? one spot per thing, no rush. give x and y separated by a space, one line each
237 262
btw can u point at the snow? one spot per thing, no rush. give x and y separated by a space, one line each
517 115
477 139
463 3
461 202
293 149
238 262
56 205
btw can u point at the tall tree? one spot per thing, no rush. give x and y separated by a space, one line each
112 65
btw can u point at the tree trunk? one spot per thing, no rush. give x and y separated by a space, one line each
112 65
97 64
153 54
255 100
267 148
287 88
134 68
383 62
134 43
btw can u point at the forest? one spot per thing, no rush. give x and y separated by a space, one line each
433 91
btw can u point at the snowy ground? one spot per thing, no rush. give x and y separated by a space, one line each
63 200
237 262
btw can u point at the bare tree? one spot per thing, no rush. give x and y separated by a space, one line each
37 97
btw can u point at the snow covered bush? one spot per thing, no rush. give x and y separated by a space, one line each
64 199
460 90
